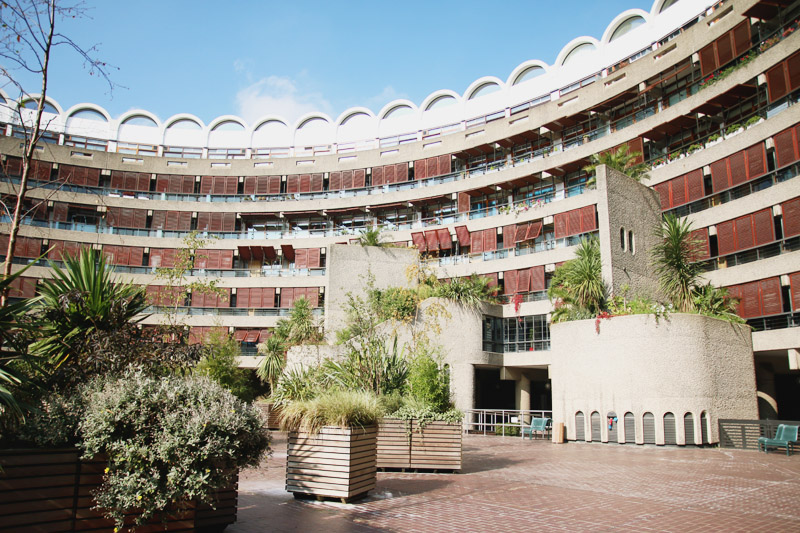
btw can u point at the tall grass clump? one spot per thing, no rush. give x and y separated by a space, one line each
340 408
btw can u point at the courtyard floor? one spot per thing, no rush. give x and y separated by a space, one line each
508 484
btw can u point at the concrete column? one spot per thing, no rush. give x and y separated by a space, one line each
462 385
523 399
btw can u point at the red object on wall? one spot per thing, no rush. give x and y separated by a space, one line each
419 241
791 217
463 235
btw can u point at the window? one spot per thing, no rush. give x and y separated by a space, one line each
631 243
622 238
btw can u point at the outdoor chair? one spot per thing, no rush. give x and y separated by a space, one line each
785 436
538 425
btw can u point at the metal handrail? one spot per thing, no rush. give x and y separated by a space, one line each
485 421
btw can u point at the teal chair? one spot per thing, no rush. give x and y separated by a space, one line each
538 425
785 436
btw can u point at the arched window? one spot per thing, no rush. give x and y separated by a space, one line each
626 26
597 434
630 428
649 428
688 428
704 427
669 429
580 428
528 74
578 51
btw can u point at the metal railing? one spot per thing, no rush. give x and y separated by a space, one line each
782 321
744 434
228 311
485 421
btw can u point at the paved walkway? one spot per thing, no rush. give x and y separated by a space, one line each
512 485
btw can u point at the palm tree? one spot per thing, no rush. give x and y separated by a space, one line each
10 315
271 367
577 287
80 304
372 237
715 301
470 291
301 326
673 259
620 160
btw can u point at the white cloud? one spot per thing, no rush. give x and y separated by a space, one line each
278 95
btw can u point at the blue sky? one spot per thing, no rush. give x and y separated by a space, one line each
252 57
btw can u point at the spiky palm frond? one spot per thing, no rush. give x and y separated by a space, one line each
470 291
673 260
372 237
621 160
577 288
274 361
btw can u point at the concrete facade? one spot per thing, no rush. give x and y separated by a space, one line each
638 365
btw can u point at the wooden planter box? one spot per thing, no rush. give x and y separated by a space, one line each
335 463
51 490
403 444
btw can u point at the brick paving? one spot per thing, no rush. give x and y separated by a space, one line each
508 485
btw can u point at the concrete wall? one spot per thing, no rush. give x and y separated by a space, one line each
625 205
349 268
311 355
685 364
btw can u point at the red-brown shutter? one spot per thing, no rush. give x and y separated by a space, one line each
744 232
314 257
776 82
678 191
420 170
388 174
510 282
785 147
560 223
738 168
794 286
702 250
463 235
708 59
312 295
301 258
335 181
292 184
492 279
377 176
724 48
521 232
206 184
574 222
305 183
347 179
524 280
316 183
793 71
535 229
136 256
287 297
445 241
463 202
274 185
791 217
204 221
663 194
719 175
763 227
60 212
771 302
432 167
756 161
750 306
444 164
694 185
726 240
509 234
22 287
419 241
243 297
359 178
537 278
741 38
401 172
250 184
490 240
432 240
477 242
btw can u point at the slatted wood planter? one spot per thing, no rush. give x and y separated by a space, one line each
404 444
51 490
335 463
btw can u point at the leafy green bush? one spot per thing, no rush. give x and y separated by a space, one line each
424 414
395 303
338 408
429 379
221 365
733 128
169 440
752 120
375 365
297 384
714 137
507 430
694 148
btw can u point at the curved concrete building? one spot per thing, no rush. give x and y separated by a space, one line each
488 180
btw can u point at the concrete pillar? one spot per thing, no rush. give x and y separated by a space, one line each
523 398
462 385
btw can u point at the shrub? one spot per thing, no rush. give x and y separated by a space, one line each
169 440
221 365
507 430
752 120
733 128
297 384
694 148
424 413
394 303
331 408
376 365
429 380
714 137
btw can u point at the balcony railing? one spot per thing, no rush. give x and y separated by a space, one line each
485 421
782 321
227 311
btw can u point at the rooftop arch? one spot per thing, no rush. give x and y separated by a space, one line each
397 108
440 99
659 6
139 117
314 129
47 101
227 123
271 131
623 23
184 121
353 113
87 111
527 71
482 87
576 48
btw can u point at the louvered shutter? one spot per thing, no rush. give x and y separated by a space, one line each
432 167
401 172
206 184
388 174
243 297
489 240
694 185
492 279
537 278
301 258
744 232
419 241
756 161
359 178
677 189
314 257
431 240
794 286
725 237
510 282
250 184
535 229
524 280
305 183
136 256
377 176
292 184
708 59
347 179
159 220
463 202
274 185
701 249
574 222
445 241
724 49
763 227
663 194
509 234
287 298
312 294
738 168
477 242
560 224
793 71
335 181
741 38
463 236
420 170
791 217
771 302
521 232
444 164
750 306
60 212
785 148
316 183
776 82
719 175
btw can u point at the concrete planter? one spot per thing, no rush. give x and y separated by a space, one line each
335 463
51 490
404 444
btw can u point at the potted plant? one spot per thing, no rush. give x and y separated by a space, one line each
713 139
752 121
332 444
416 436
733 129
694 148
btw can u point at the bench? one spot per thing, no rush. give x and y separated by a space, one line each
538 425
785 436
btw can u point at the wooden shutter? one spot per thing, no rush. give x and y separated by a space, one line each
708 59
794 287
292 184
305 183
677 188
476 246
770 296
737 167
347 179
432 240
756 161
702 250
524 280
287 298
432 167
694 185
741 38
312 295
420 170
776 82
509 234
763 227
574 222
785 147
359 178
535 229
243 297
510 282
521 232
250 183
560 224
60 212
463 235
726 241
335 181
388 174
791 217
419 241
490 240
22 287
316 183
377 176
724 48
464 202
445 241
314 257
537 278
301 258
744 232
401 172
663 194
719 175
444 164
